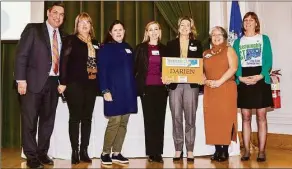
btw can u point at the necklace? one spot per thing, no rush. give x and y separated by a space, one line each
215 53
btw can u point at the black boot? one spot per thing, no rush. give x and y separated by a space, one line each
224 155
215 156
84 155
75 157
74 139
85 136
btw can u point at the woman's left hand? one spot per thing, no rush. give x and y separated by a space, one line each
256 78
216 83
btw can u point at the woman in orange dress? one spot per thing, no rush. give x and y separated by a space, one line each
220 94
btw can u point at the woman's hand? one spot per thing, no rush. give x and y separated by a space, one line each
166 82
249 80
213 83
216 83
208 83
108 97
256 78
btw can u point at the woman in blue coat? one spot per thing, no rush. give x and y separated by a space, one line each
117 84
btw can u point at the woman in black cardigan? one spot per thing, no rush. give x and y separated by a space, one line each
78 81
183 97
153 93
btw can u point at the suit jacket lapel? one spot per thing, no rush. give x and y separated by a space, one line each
145 54
177 44
46 37
190 44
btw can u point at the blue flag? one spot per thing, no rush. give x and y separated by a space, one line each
235 23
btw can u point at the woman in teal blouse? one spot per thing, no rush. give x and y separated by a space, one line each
254 86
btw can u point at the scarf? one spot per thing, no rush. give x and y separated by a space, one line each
91 61
91 50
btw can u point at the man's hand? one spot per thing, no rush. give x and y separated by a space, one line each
61 88
21 87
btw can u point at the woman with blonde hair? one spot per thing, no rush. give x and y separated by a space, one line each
78 81
183 97
153 93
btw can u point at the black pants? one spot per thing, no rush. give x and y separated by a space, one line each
81 100
38 106
154 106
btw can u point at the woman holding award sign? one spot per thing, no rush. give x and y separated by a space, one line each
220 94
183 97
152 91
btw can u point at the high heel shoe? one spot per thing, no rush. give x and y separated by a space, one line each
261 157
192 158
245 157
158 158
178 158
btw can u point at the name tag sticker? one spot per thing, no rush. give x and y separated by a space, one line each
155 52
128 51
193 48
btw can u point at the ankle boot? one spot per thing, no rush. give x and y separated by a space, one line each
84 155
223 156
75 157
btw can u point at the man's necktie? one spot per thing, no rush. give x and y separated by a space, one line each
55 53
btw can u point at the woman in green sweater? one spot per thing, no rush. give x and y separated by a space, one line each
254 86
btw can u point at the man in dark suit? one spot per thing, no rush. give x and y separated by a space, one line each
36 74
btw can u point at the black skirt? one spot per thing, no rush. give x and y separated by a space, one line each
254 96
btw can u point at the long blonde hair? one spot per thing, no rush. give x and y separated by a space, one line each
146 37
193 34
84 15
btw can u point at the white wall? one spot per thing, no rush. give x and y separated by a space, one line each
15 16
276 22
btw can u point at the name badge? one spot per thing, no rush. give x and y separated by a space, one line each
193 48
95 47
208 55
128 51
155 52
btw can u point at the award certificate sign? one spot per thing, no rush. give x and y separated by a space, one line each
182 70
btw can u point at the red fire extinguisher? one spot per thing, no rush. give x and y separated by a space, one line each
275 85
